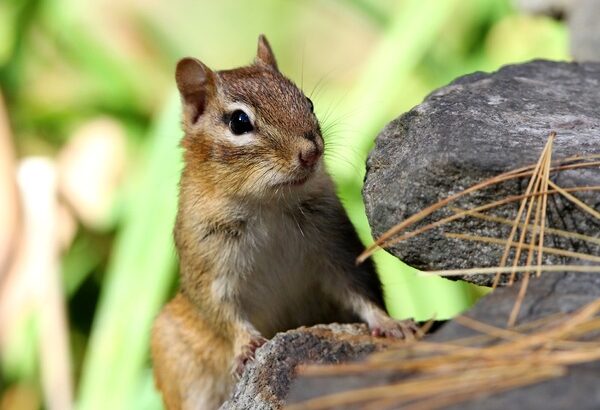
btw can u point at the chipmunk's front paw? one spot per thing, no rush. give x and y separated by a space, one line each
247 354
399 329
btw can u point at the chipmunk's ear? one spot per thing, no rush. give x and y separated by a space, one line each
196 84
264 54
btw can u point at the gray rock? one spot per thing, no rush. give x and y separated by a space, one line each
551 293
477 127
266 381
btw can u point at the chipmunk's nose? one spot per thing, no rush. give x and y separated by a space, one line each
309 157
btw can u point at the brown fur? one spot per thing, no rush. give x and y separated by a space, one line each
181 356
264 243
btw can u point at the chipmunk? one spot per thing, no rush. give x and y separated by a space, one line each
264 243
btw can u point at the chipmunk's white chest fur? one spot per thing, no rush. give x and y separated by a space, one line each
275 263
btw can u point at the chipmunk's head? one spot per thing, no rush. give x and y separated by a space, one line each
250 127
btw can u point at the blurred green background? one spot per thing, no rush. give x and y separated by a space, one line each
89 84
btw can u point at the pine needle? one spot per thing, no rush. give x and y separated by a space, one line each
564 192
530 186
549 250
557 232
494 270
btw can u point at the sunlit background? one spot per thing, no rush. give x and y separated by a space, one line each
89 157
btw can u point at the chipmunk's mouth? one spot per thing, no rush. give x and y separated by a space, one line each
296 182
300 181
297 177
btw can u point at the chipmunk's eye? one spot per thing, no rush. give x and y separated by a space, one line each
239 123
310 103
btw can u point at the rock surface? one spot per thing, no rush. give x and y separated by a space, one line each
551 293
266 381
477 127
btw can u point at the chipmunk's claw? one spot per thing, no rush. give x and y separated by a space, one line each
247 355
397 329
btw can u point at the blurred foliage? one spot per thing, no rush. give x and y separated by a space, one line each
363 62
